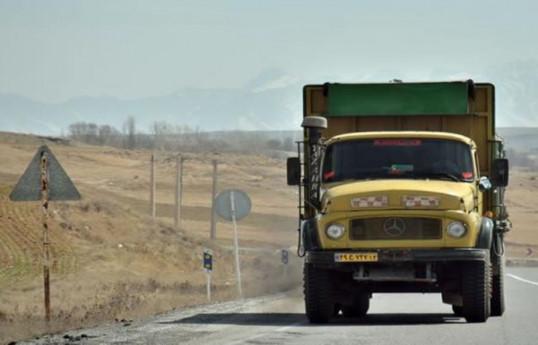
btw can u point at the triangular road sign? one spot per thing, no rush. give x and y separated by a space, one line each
60 186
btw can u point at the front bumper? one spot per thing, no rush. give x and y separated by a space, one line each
386 256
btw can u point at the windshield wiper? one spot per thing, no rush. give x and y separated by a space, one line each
374 175
358 178
437 174
407 174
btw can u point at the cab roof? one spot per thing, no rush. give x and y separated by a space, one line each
402 134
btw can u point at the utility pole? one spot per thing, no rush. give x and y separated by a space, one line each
152 187
213 234
179 189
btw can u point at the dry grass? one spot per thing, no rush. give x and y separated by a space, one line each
110 261
521 198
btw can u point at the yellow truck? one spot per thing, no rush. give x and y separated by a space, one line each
401 189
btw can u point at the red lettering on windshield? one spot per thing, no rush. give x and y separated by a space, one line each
396 172
397 142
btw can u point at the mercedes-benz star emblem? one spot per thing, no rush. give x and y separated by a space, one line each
394 227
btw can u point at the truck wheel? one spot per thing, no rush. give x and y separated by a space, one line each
497 293
336 309
359 308
317 291
458 310
476 290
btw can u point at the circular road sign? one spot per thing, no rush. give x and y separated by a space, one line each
223 204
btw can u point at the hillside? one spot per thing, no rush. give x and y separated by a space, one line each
520 138
110 260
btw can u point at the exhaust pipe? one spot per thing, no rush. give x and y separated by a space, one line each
314 125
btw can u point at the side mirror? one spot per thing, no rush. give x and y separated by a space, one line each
293 166
499 173
484 184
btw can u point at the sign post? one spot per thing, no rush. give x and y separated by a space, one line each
236 244
46 249
45 180
285 259
208 267
234 205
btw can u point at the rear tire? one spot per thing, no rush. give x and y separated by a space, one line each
336 309
319 303
497 293
458 310
476 290
359 308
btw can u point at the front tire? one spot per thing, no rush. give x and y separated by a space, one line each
497 293
319 303
476 290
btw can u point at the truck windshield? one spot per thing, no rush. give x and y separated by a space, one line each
398 158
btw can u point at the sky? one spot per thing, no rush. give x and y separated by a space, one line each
56 50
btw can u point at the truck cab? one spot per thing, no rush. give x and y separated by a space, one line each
401 190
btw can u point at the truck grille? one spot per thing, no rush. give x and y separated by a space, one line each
394 228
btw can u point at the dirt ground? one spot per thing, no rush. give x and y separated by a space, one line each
112 261
522 202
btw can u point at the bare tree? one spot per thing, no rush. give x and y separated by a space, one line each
129 127
108 135
163 135
85 132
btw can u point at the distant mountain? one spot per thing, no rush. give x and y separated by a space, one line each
516 90
270 101
520 138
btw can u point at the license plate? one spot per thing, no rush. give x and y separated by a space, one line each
355 257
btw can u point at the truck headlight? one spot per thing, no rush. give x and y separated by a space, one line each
335 231
456 229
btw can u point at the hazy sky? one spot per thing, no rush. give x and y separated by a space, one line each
54 50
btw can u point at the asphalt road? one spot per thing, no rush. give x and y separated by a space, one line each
393 319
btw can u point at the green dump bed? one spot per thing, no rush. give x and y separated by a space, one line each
461 107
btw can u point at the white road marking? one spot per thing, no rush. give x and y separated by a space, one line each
522 279
260 335
247 339
285 328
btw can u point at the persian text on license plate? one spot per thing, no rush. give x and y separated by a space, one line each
355 257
